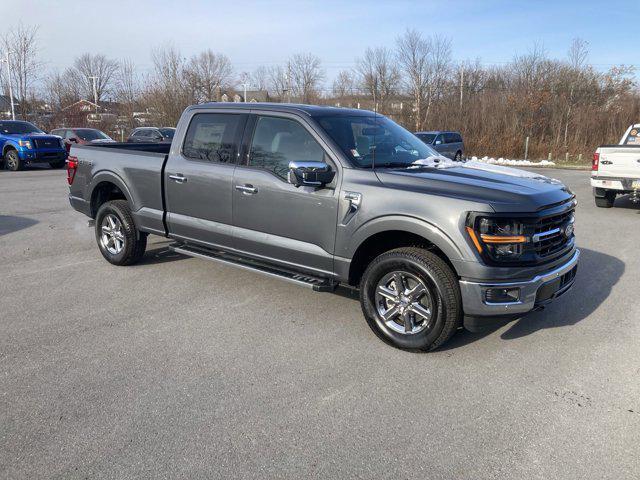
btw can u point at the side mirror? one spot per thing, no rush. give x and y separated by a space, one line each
73 140
311 174
438 142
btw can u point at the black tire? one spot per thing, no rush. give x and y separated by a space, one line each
12 161
458 157
135 242
443 288
606 201
58 164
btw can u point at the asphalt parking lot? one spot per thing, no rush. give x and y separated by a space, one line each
179 367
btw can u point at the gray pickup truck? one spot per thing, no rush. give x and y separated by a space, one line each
324 196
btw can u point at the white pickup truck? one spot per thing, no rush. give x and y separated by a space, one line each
616 169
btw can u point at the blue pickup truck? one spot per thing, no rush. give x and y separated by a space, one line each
22 143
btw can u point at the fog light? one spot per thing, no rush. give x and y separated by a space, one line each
502 295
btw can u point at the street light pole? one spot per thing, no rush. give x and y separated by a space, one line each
13 111
95 92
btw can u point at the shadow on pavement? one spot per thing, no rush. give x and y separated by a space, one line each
626 202
161 254
597 274
10 224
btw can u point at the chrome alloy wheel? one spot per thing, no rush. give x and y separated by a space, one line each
111 236
404 302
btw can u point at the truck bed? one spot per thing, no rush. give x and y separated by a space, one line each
136 169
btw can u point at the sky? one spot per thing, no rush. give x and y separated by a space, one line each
254 33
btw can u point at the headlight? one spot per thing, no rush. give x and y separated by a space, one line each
500 239
24 143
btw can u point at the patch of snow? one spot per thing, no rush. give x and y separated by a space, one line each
514 163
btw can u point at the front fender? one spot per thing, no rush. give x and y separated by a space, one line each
414 225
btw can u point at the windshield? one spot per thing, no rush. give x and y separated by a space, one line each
167 132
88 134
18 128
375 141
426 137
634 137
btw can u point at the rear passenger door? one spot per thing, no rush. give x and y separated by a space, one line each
198 179
274 220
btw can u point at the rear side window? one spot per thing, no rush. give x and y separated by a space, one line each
450 138
212 137
278 141
634 137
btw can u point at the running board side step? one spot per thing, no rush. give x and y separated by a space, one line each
315 283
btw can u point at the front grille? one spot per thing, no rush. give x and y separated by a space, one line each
46 143
551 234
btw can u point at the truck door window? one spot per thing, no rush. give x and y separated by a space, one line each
278 141
212 137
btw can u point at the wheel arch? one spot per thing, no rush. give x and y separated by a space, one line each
106 187
386 233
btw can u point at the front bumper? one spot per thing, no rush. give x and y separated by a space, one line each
535 292
42 155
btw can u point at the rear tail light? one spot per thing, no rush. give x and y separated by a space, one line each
72 166
596 162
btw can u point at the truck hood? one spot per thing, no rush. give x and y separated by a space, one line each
36 136
505 189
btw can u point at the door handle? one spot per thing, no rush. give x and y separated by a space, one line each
179 178
247 189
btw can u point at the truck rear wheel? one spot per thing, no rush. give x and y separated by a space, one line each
12 161
118 239
606 201
411 299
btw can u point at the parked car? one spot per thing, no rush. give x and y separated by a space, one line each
616 169
22 143
321 196
152 135
448 144
81 136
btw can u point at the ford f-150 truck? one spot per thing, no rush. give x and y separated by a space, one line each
323 196
616 169
22 143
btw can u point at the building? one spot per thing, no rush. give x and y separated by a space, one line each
252 96
5 106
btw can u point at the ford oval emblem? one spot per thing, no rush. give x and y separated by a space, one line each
568 230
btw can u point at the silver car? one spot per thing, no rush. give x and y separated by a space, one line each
448 144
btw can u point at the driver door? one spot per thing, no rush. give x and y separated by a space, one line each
274 220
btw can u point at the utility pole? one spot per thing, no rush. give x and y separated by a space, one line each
95 91
288 82
13 110
244 84
461 84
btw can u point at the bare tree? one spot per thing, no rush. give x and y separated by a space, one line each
61 90
414 54
209 73
259 78
101 68
343 85
306 74
279 83
21 43
439 67
379 76
168 90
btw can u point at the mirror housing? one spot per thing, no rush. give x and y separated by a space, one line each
438 142
73 139
310 174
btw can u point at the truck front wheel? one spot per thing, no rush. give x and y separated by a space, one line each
118 239
12 161
411 299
